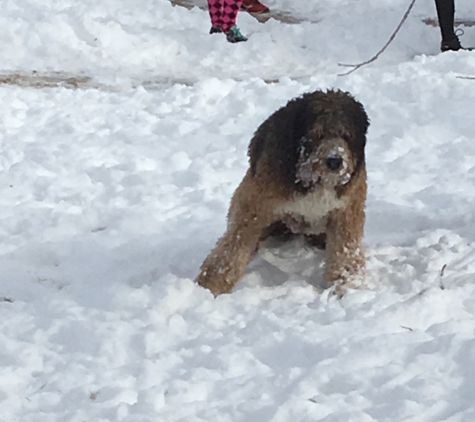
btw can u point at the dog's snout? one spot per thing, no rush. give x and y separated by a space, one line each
334 162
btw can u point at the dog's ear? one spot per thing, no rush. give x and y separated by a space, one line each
360 121
359 117
257 146
279 136
353 111
356 123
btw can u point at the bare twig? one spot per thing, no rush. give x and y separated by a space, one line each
442 270
375 57
441 275
407 328
465 77
37 391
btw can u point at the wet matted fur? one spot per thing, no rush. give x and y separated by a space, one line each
307 176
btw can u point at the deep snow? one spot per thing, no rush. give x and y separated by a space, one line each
112 195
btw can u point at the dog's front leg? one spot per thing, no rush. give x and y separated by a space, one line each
345 260
248 217
226 263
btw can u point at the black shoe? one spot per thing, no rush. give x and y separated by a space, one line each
450 45
234 35
215 30
454 43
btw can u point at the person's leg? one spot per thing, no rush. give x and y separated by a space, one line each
230 11
216 9
445 14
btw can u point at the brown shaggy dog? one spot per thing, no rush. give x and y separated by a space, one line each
307 176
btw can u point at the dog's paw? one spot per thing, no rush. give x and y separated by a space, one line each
340 286
337 291
214 282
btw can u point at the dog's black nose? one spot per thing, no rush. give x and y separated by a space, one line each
334 162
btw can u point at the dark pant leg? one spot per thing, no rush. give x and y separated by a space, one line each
231 9
445 13
216 10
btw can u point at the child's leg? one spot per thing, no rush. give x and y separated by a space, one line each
216 10
231 9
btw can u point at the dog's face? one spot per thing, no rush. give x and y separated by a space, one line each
326 163
315 140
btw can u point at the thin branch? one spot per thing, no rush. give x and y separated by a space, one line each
465 77
441 276
443 270
375 57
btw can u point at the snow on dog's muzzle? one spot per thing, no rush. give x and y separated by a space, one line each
329 164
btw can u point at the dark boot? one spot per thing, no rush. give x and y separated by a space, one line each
215 29
446 16
450 45
453 44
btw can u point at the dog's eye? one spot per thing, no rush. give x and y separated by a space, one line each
334 162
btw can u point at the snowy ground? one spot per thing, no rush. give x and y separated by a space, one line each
112 195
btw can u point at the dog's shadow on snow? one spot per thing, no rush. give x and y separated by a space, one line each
278 262
401 225
388 223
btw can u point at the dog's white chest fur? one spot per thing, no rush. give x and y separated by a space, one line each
309 213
